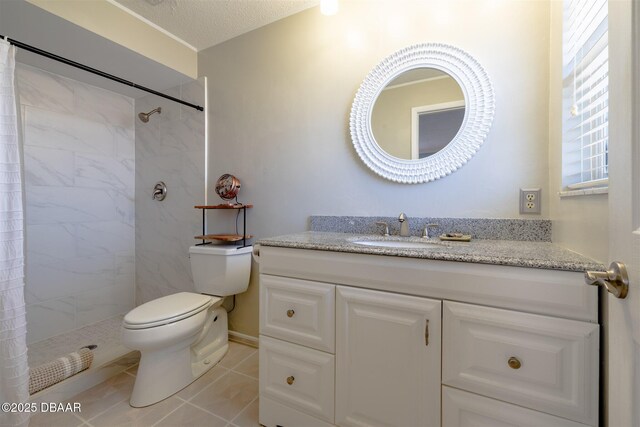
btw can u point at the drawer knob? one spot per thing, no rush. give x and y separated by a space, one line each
290 379
514 363
290 313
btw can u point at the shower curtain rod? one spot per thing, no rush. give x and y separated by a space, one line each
95 71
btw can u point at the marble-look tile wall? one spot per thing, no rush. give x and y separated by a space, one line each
79 158
169 148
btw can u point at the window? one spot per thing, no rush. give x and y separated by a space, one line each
585 94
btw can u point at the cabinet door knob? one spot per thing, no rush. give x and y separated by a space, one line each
290 313
290 380
514 363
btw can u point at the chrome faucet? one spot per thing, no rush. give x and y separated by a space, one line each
404 225
386 227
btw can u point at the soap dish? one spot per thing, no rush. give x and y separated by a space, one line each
456 237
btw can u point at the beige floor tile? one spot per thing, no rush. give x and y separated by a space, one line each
249 416
123 414
236 354
201 383
190 416
227 396
249 366
57 419
101 397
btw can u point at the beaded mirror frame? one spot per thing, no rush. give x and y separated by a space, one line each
479 111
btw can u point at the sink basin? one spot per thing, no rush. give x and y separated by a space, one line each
397 244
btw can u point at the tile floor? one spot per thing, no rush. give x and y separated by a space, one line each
226 396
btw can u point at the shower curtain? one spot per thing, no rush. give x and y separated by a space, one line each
14 369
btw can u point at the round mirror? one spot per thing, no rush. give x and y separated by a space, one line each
422 113
418 113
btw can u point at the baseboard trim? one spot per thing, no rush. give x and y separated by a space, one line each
243 338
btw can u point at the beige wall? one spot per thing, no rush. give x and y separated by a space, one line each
580 223
280 101
113 23
391 115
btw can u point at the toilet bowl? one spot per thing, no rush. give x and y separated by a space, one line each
181 336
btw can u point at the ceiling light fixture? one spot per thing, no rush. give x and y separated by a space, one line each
328 7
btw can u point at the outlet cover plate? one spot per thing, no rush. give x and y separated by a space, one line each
530 201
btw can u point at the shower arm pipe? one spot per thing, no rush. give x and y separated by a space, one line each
96 71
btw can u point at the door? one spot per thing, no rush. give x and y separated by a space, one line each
387 359
623 318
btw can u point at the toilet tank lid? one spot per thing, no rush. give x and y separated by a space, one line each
220 250
168 307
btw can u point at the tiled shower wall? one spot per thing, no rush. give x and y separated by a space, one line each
169 148
79 156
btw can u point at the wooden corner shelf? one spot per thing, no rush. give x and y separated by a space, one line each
207 238
224 206
224 237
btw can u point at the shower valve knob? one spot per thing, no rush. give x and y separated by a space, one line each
159 191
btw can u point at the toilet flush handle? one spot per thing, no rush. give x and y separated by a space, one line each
255 253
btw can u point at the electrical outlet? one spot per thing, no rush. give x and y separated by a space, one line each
530 201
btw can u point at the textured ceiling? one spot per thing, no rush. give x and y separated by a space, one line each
204 23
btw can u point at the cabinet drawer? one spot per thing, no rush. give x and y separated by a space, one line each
298 311
298 377
543 363
274 414
463 409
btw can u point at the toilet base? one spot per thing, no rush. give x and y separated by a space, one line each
164 372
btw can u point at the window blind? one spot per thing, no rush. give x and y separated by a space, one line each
585 97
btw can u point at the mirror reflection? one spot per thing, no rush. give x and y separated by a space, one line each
418 113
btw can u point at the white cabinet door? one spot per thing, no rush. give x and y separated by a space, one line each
387 359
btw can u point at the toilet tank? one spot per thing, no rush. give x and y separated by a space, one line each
220 270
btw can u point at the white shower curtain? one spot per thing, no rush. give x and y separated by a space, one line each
14 370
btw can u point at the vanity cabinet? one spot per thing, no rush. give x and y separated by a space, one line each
367 340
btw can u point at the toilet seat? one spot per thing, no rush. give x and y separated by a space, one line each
168 309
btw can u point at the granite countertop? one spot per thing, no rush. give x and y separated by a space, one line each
544 255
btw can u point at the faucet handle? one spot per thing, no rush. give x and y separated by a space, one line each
425 232
386 227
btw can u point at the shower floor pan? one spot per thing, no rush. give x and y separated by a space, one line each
110 357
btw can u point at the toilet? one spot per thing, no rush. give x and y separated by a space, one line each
182 336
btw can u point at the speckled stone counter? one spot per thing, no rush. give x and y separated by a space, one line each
544 255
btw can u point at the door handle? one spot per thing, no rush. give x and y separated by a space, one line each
426 332
615 279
